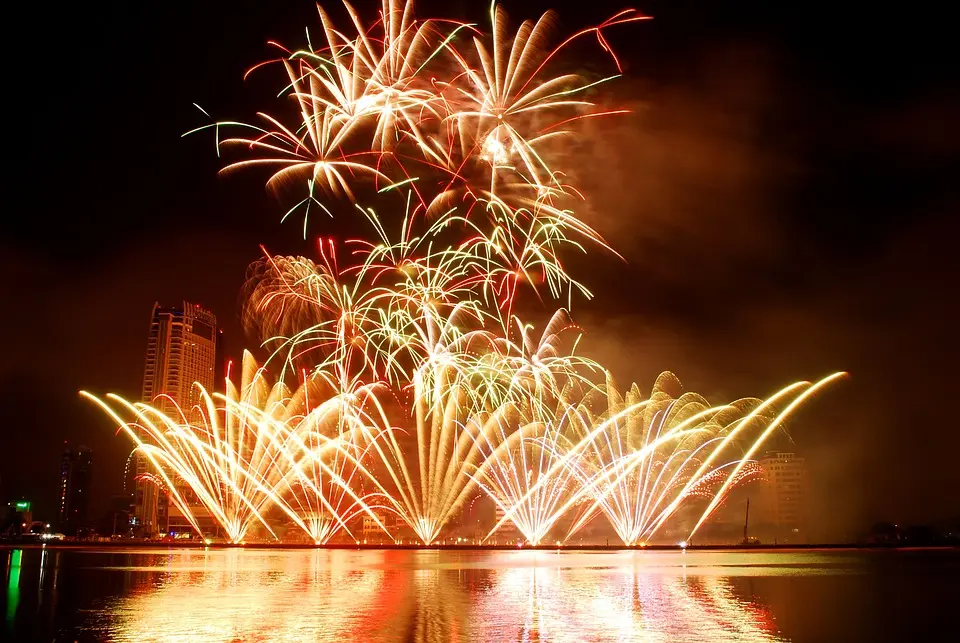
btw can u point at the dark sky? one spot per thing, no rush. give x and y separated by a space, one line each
784 193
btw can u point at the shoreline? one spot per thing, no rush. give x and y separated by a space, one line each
469 548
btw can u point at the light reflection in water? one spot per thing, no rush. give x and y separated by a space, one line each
247 595
71 594
13 586
620 604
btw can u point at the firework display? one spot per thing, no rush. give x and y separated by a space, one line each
399 381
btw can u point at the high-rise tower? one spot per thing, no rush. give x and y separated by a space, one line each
181 352
786 495
75 475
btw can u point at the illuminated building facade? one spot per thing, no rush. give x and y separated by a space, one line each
75 476
371 531
508 532
181 351
785 498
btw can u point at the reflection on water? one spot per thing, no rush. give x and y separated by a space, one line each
321 595
13 584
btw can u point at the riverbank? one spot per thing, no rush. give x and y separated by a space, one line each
154 544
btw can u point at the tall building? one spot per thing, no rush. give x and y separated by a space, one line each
75 475
181 352
785 503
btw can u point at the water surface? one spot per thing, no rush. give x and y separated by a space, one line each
403 595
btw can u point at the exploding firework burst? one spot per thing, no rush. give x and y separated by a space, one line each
416 384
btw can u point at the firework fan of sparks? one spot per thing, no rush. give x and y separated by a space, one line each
416 384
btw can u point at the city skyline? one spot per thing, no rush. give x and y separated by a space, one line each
180 356
175 315
779 473
182 351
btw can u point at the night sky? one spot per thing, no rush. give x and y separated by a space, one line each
784 194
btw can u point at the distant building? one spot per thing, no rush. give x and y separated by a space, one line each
181 351
17 518
784 505
507 533
75 476
372 533
116 522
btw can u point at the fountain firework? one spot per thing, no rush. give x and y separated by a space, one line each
417 385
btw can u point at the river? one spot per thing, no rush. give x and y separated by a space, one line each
211 595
